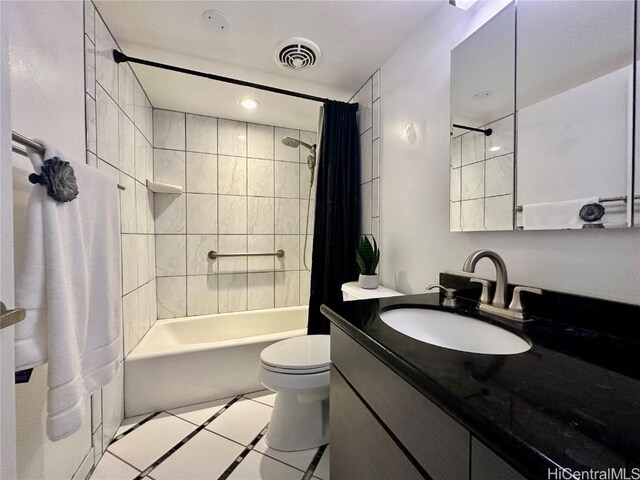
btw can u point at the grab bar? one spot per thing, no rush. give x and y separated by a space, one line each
212 255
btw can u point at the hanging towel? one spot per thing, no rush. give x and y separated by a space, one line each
68 280
554 215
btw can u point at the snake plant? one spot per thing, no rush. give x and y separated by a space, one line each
367 256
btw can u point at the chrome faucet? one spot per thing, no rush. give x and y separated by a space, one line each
499 304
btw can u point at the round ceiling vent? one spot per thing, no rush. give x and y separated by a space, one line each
297 53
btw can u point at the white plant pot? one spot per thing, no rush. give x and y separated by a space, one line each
370 282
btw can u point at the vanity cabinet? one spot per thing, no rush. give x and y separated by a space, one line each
383 428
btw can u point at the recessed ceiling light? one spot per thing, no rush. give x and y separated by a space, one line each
249 103
463 4
495 149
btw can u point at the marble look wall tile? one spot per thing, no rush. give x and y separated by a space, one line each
365 101
149 154
151 248
305 286
107 122
309 138
472 215
305 179
202 294
90 112
499 176
366 157
282 152
232 138
129 263
89 20
144 307
472 181
142 207
143 259
287 180
291 246
130 315
454 185
498 213
172 297
148 132
375 154
106 68
139 111
260 291
260 177
232 244
306 253
202 173
375 230
111 172
168 166
153 303
90 67
112 406
261 243
126 144
260 215
202 213
376 119
128 205
303 216
198 246
260 140
92 160
365 202
375 198
126 90
232 175
232 292
456 152
202 134
287 216
376 84
500 142
168 130
141 157
472 147
232 213
287 291
454 217
151 224
171 255
170 213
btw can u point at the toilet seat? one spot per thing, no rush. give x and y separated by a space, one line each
304 355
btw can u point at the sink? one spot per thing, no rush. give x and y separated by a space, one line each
457 332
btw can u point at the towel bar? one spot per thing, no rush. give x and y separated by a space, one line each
622 198
213 254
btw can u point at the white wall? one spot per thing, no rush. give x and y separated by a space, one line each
415 187
47 85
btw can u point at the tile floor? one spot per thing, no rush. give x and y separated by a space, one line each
222 439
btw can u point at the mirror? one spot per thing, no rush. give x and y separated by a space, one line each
573 103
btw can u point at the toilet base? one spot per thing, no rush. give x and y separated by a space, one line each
299 420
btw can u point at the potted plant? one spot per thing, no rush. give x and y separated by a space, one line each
367 258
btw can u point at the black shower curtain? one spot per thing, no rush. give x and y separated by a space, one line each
337 213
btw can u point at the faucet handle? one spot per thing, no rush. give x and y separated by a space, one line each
516 302
485 296
449 295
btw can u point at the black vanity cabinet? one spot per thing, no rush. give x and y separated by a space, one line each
383 428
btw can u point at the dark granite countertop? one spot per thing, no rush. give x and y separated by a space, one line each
572 401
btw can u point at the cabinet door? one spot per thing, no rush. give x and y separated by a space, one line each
486 465
360 447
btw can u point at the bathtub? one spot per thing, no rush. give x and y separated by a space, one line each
189 360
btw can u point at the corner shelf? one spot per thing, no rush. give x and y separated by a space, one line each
164 187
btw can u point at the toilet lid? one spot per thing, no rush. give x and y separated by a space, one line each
309 352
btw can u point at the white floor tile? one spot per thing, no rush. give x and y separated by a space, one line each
263 396
150 441
260 467
242 421
205 456
200 412
322 470
130 422
112 468
300 460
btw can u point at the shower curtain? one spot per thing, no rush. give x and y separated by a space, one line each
337 212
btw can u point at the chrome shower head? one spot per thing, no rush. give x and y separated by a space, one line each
290 142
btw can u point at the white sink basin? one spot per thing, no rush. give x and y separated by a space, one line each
456 332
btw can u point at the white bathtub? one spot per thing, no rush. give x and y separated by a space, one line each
195 359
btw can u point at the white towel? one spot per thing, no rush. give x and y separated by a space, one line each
68 280
555 215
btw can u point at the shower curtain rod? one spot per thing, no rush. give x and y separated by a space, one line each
120 57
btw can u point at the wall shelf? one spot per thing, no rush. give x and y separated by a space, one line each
164 187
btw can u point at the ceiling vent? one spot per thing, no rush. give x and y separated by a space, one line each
297 53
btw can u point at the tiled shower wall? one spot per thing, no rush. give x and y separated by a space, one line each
244 192
119 142
481 192
368 99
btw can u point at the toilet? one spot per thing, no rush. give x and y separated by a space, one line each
297 370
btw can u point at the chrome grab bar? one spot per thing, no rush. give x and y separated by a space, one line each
212 255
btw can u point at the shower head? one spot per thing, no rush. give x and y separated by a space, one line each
294 143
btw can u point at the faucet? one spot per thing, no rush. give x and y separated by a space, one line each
498 306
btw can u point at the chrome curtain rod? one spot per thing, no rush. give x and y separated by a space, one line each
622 198
27 142
120 57
212 255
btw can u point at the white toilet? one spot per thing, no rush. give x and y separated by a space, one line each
297 369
